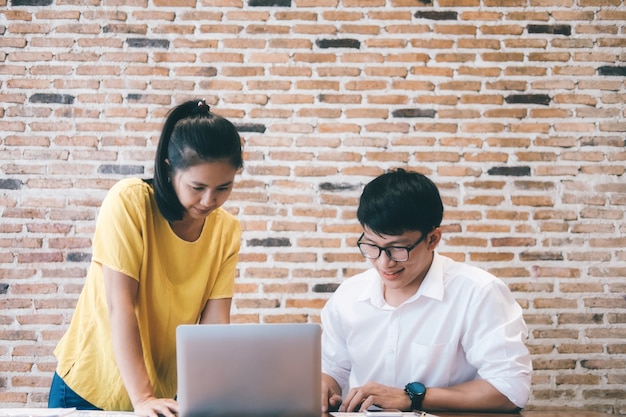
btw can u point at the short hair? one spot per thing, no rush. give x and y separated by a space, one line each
400 201
191 135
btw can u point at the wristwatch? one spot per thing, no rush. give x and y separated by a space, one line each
416 392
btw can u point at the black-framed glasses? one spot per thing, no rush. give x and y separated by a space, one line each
395 253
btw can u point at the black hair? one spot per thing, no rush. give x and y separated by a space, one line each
191 135
400 201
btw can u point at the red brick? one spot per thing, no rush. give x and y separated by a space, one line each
263 66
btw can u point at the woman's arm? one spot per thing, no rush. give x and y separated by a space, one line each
121 293
216 311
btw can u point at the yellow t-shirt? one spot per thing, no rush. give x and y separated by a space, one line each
176 279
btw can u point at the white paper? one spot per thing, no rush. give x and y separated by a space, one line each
35 412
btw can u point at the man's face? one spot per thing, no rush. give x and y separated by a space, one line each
403 278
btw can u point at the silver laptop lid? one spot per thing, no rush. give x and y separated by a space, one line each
249 370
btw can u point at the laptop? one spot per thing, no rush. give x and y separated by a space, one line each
256 370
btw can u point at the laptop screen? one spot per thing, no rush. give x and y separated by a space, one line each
249 370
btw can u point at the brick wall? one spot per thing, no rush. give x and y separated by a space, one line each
515 108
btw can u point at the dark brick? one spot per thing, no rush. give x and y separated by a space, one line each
551 29
251 127
437 15
541 256
270 242
31 2
325 287
542 99
134 97
269 3
52 98
205 71
608 141
510 171
137 29
430 113
121 169
4 288
148 43
607 70
78 257
10 184
338 43
329 186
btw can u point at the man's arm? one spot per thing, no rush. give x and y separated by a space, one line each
478 395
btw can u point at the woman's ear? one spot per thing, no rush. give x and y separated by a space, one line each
434 238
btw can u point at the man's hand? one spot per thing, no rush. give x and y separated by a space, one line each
331 394
361 398
155 407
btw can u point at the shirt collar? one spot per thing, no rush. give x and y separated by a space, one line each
373 289
431 287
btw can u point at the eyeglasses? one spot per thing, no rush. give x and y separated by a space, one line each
395 253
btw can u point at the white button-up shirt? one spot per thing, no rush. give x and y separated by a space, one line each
462 324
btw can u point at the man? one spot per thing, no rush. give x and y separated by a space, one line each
419 331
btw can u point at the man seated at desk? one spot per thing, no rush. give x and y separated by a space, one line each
419 331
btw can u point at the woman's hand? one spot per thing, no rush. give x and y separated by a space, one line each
155 407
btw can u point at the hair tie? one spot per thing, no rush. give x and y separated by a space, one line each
203 106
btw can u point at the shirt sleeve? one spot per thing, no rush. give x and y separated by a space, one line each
335 358
118 237
224 286
494 342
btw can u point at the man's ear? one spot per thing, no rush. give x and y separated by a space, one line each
434 238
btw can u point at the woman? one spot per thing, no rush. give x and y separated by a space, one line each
164 253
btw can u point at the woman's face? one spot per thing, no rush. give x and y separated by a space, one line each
204 187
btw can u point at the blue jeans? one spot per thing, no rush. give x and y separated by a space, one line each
62 396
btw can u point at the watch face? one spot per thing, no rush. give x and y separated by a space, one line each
418 388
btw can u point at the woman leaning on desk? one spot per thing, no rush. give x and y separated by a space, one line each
164 253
